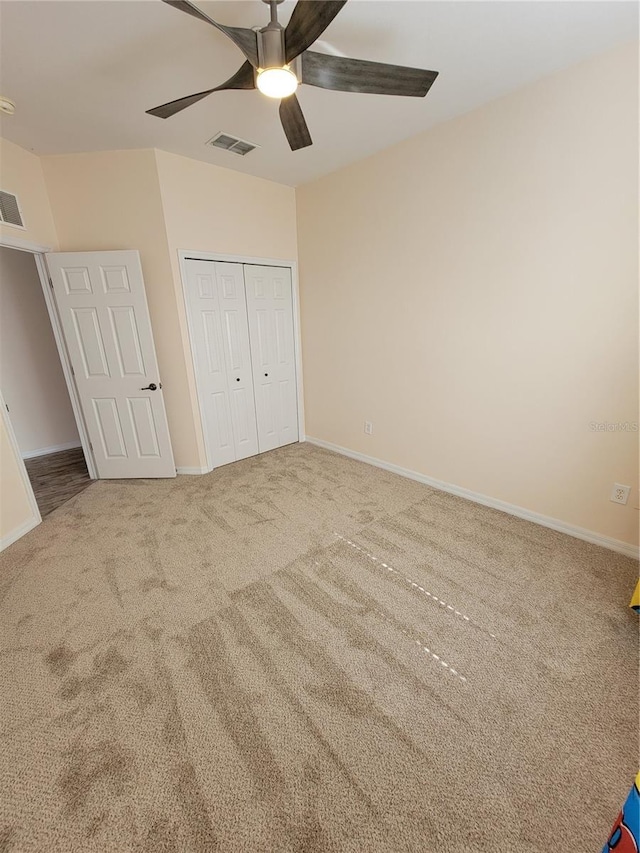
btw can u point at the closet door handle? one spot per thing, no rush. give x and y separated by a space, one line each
151 387
266 374
237 379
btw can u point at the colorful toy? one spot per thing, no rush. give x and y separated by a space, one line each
635 599
625 835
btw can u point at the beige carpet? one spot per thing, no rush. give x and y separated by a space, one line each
303 653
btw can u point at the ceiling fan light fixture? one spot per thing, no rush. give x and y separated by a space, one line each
277 82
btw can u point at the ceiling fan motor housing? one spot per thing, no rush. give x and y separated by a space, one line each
271 46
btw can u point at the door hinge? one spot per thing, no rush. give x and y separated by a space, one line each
50 284
73 373
91 446
6 407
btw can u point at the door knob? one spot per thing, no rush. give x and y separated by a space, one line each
266 374
150 387
237 379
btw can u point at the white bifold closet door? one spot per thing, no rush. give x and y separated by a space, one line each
241 323
220 337
270 310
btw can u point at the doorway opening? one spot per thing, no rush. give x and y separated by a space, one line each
35 390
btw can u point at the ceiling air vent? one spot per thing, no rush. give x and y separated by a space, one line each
10 210
231 143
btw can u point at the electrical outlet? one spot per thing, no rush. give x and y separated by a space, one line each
368 427
620 494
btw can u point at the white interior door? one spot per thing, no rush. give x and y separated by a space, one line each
270 311
220 337
104 316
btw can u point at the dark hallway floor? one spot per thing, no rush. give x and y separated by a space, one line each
57 477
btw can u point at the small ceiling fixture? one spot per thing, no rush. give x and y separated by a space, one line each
7 106
278 60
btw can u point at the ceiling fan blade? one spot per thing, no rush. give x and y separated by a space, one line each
309 20
243 38
189 8
242 79
295 127
359 75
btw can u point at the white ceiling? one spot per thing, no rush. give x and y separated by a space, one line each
83 73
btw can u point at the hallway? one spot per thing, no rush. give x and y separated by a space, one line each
57 477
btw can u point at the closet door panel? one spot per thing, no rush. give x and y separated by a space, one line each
288 410
270 310
266 413
220 339
207 339
238 358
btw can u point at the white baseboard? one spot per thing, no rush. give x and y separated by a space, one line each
183 470
20 531
55 448
520 512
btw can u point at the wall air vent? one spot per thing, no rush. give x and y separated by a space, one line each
232 143
10 210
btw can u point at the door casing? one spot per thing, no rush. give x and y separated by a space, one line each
183 255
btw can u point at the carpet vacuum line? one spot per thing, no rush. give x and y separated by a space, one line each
449 608
426 649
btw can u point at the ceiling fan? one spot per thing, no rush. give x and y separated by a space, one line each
278 60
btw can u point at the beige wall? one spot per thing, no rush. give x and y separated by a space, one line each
210 209
21 174
216 210
478 288
31 378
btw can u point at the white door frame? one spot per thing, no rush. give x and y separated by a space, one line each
38 253
183 255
